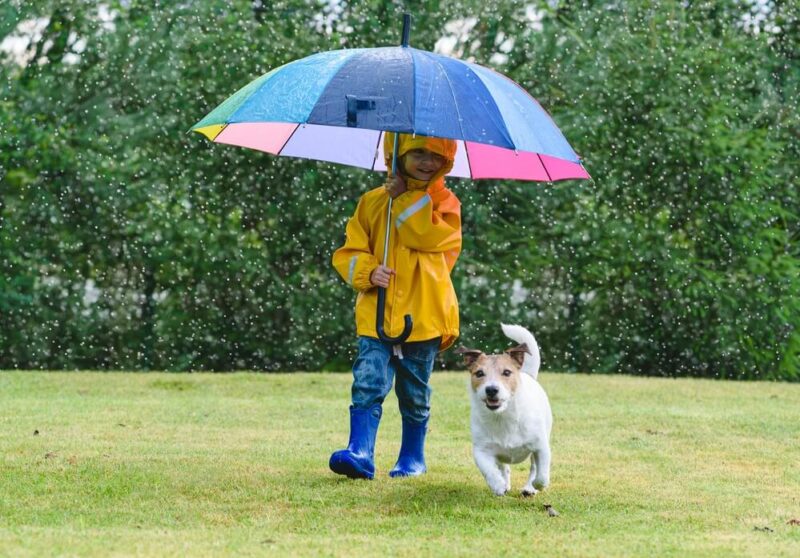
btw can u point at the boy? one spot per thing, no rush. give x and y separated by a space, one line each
425 241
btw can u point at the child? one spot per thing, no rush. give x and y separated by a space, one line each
425 241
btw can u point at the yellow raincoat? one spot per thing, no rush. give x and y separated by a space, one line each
424 244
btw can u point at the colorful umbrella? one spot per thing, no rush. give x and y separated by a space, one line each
335 106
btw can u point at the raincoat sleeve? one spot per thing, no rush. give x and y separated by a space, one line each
429 222
354 261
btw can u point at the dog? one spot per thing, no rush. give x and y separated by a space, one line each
511 417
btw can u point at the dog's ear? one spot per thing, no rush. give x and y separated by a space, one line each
469 355
518 353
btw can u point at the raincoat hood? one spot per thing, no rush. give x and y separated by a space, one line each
406 142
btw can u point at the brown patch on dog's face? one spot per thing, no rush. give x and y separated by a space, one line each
494 369
507 370
477 373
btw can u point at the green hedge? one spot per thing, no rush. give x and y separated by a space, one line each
127 243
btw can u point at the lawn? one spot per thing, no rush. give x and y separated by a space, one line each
146 464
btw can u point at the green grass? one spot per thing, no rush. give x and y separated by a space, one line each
210 465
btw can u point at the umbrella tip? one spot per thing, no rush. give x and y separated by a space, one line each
406 28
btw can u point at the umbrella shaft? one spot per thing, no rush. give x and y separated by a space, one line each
389 210
388 228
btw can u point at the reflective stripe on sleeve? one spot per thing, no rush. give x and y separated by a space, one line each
352 269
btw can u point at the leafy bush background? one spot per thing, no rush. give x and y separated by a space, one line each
127 243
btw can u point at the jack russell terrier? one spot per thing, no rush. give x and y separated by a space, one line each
511 417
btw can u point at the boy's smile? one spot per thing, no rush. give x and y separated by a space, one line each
422 164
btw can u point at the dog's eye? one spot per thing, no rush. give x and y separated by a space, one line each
479 374
506 373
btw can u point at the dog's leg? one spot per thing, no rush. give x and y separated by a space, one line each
528 489
487 464
506 475
542 478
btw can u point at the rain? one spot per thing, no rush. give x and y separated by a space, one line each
128 243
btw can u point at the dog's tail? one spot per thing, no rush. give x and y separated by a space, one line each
530 365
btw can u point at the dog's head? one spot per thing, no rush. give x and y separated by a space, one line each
494 378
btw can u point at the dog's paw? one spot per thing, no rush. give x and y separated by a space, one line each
499 488
529 491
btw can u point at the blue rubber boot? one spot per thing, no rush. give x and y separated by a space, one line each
358 460
411 462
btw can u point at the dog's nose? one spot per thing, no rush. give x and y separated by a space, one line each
491 391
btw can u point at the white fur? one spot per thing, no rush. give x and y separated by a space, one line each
518 430
524 337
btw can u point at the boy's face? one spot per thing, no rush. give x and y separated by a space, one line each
422 164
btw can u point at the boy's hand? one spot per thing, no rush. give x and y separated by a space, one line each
380 276
395 186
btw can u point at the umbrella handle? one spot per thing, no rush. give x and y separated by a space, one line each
379 322
379 311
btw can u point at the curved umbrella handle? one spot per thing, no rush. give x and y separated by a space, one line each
379 322
381 290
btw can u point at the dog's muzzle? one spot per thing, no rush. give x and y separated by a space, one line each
492 400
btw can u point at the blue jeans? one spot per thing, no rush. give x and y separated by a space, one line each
376 366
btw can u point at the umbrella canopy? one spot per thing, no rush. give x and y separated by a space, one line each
335 106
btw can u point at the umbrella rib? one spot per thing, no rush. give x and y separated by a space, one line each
377 146
289 138
469 162
549 178
225 125
413 93
453 94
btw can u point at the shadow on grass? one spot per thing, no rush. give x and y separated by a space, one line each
425 495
